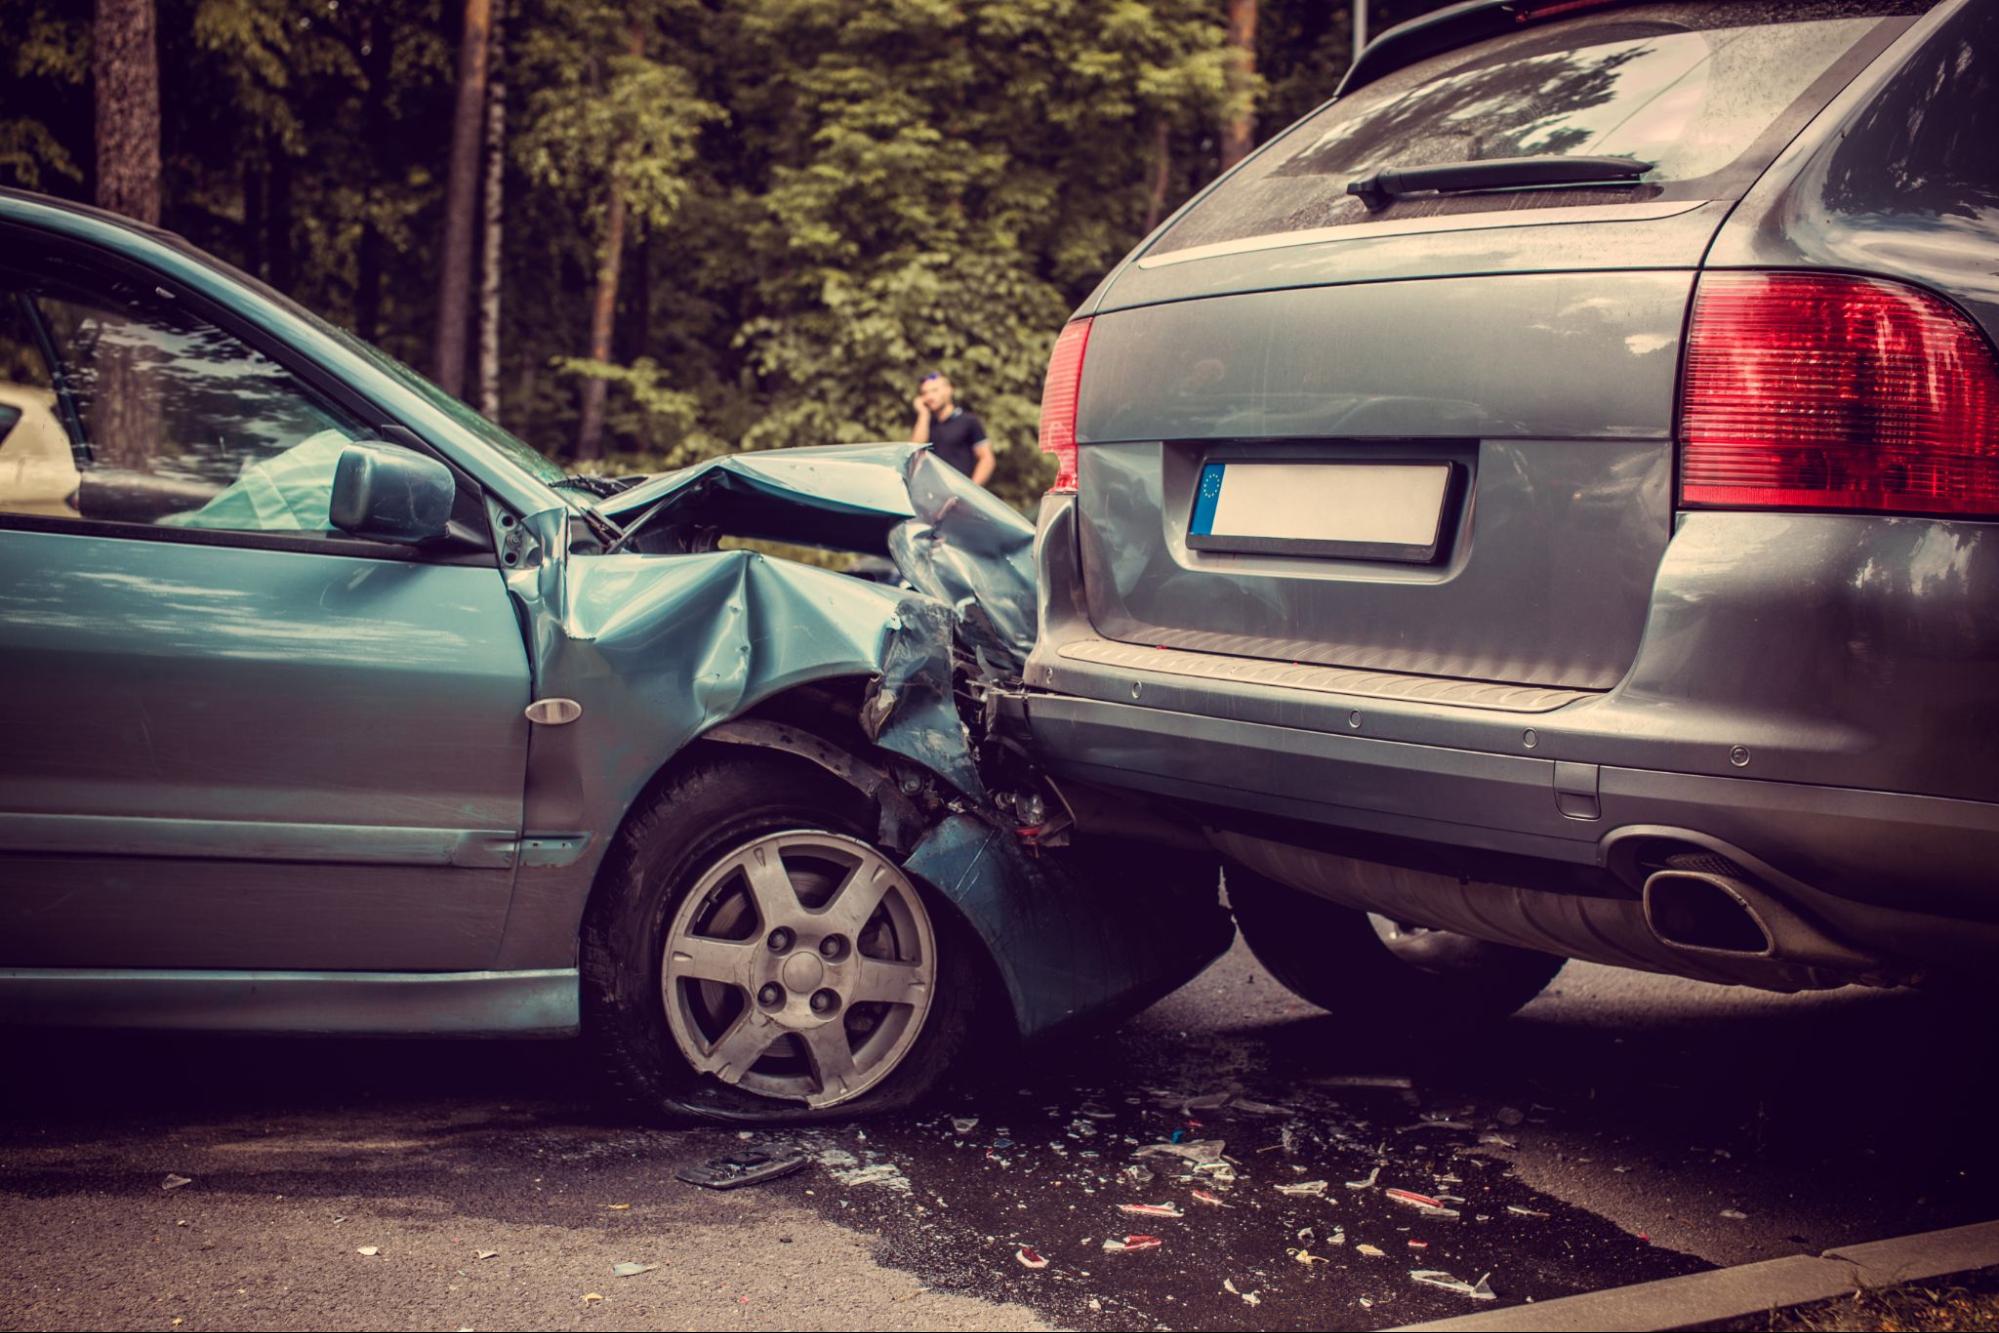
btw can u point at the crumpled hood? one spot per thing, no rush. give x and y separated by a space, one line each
949 538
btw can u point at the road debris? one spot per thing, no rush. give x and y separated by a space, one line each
1249 1298
592 1297
1131 1244
1030 1257
1200 1152
174 1182
1304 1189
368 1251
1212 1200
1422 1203
1371 1251
1367 1183
1509 1116
1152 1209
1433 1277
485 1254
962 1125
1735 1215
1518 1211
619 1207
631 1269
748 1166
1306 1257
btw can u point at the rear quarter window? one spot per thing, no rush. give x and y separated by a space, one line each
1708 93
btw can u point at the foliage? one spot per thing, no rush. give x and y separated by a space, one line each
827 198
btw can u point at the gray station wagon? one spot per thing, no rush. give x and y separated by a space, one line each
1542 505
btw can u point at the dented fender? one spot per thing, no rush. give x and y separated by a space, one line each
658 648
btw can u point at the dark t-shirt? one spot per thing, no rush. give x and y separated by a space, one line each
955 437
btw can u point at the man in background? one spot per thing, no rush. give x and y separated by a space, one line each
953 434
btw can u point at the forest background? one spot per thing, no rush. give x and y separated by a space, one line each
642 234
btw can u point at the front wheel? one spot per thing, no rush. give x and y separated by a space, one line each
752 955
1410 978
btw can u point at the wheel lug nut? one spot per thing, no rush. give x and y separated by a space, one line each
771 995
833 946
824 1002
780 940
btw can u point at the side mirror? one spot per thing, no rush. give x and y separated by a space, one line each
391 495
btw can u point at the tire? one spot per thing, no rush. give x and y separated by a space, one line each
744 1006
1415 980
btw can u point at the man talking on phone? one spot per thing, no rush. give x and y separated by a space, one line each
953 434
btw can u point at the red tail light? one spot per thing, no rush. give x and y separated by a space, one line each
1058 403
1823 391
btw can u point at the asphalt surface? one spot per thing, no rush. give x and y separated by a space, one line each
1612 1133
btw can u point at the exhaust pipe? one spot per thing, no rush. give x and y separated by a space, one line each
1724 915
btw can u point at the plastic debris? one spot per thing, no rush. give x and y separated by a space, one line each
1367 1183
1734 1215
1248 1297
745 1167
368 1251
1151 1209
1371 1251
1212 1200
485 1254
964 1124
1433 1277
631 1269
1305 1189
1306 1257
1200 1152
592 1297
1422 1203
1518 1211
1030 1257
174 1182
1131 1244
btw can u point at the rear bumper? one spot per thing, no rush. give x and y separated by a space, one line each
1580 780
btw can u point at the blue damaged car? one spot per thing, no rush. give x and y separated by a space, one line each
332 708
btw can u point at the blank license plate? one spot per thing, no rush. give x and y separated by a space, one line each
1382 511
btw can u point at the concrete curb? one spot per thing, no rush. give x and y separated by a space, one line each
1730 1293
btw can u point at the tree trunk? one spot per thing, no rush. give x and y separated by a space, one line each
1162 173
490 247
125 67
278 220
590 430
1239 131
461 193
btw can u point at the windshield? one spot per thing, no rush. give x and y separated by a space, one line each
1705 93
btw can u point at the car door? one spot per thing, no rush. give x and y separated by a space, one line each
230 736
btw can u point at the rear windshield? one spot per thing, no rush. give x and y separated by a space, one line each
1708 93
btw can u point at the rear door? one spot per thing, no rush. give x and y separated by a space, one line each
1433 434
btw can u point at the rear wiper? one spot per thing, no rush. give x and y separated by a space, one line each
1495 173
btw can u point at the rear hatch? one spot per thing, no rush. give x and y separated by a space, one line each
1424 431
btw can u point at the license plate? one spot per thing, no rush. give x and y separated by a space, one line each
1367 511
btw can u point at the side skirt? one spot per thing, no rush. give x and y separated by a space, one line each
389 1004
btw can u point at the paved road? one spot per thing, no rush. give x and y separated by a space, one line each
1595 1140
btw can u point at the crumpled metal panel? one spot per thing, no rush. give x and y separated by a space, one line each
1102 927
948 537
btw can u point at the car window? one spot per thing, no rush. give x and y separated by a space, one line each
1694 89
133 409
